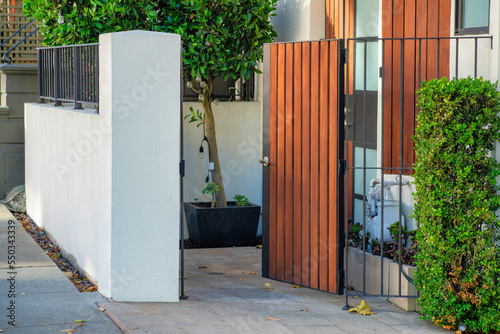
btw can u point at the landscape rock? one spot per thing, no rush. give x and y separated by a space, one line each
16 200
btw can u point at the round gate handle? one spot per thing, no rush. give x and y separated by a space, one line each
264 161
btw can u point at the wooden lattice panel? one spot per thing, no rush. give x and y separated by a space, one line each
11 20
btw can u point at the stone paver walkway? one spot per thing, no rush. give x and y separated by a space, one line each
225 297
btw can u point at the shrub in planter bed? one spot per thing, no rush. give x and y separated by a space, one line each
456 198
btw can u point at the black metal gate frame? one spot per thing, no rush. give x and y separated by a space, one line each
399 169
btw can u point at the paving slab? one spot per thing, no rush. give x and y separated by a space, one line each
225 298
44 298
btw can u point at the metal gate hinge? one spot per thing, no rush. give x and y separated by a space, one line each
182 168
342 166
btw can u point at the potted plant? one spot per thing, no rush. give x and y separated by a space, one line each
213 226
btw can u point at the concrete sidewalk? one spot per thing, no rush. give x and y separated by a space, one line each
225 297
45 299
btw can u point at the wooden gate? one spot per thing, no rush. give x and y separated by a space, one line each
302 230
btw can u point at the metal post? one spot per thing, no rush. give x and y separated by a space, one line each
57 77
40 76
346 198
181 220
77 75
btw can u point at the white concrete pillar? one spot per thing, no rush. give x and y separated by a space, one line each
140 76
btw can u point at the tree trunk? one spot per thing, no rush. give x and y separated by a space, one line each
213 153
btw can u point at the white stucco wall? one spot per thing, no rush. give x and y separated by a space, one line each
239 140
68 185
488 55
95 181
299 20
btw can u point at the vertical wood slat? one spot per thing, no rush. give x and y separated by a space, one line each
306 163
323 121
444 31
280 162
314 175
332 167
273 156
387 67
303 240
289 180
297 164
409 83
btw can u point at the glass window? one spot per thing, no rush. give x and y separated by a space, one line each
472 16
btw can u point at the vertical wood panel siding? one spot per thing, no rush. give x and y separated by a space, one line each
402 60
303 237
401 19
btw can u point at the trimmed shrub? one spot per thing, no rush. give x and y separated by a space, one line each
456 198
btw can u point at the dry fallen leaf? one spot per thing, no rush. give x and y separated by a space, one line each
202 267
241 279
258 246
268 284
228 275
79 320
101 309
67 330
363 309
252 273
296 286
23 293
269 318
303 310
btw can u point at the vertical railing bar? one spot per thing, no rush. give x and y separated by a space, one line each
456 57
77 76
365 44
97 77
40 74
382 175
438 57
401 110
475 57
419 62
346 140
57 77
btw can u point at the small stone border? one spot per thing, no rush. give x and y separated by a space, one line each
79 281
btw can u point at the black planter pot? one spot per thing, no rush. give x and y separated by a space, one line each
222 227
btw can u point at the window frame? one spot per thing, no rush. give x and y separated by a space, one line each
459 30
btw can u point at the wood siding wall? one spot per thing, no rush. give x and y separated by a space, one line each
402 63
303 222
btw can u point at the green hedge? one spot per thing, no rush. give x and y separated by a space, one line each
456 196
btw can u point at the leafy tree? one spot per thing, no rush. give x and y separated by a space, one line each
84 20
221 38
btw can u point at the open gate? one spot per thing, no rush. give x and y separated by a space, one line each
309 89
302 237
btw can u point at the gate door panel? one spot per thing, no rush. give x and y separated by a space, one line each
301 138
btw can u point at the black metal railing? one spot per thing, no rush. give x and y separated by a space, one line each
224 91
69 74
405 63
